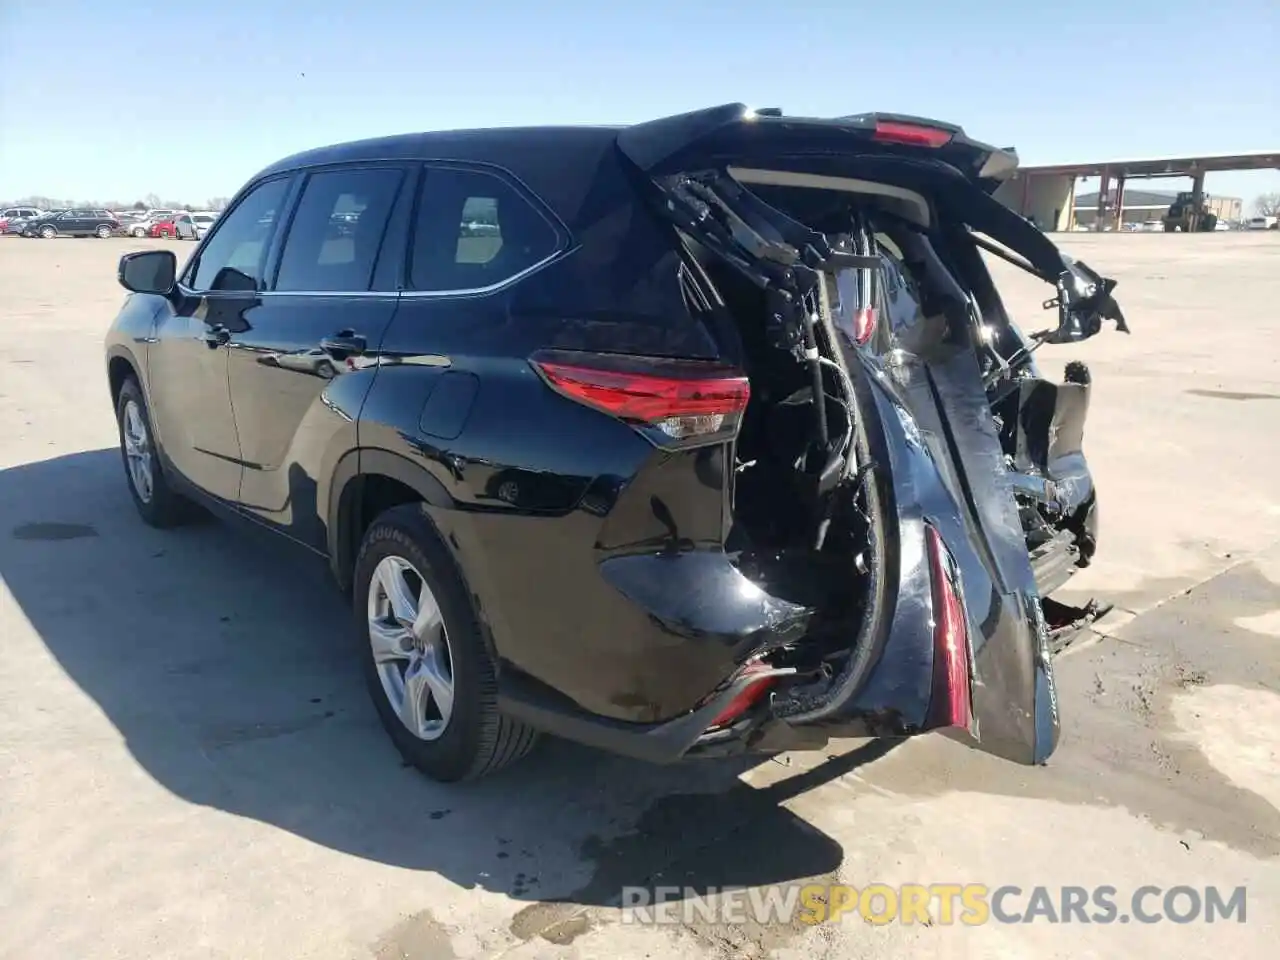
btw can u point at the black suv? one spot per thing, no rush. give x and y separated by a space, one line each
72 223
702 435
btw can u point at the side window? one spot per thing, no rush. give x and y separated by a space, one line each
474 230
335 235
233 256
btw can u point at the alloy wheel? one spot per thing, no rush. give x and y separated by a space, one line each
137 451
410 648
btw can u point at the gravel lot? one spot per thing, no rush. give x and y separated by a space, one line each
189 767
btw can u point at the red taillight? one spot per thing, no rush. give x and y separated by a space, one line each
864 325
952 701
750 695
911 134
684 399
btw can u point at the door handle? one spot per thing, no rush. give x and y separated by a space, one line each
217 336
344 344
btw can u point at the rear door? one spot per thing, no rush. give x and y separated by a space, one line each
74 223
300 367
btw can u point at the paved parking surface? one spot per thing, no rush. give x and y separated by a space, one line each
189 766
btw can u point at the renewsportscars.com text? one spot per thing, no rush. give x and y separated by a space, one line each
970 904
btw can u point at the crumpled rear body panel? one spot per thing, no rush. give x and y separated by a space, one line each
937 444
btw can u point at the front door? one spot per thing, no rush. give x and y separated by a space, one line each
299 371
187 366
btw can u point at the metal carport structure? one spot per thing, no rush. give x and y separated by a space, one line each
1046 192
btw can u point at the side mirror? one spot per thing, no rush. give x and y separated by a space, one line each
148 271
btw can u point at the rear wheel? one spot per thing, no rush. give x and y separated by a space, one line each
138 232
155 499
426 663
48 232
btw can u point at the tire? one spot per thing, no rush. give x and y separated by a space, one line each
103 232
138 232
48 232
159 506
474 739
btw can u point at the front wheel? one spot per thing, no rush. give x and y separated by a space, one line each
156 501
426 663
48 233
103 232
139 232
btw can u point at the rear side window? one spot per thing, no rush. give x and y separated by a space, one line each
474 230
335 235
232 257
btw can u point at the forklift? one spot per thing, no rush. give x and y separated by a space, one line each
1186 216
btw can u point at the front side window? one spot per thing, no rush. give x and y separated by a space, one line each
475 230
234 254
335 235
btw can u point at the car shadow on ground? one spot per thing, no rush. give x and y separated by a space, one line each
228 663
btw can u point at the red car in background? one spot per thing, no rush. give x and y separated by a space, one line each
180 226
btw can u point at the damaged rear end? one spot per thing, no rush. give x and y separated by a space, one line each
901 470
831 496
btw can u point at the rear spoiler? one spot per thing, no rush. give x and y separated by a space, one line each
737 133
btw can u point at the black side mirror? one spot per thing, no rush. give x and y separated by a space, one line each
148 271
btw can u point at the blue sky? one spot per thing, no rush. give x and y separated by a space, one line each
187 100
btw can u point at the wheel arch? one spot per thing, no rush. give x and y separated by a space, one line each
365 482
121 365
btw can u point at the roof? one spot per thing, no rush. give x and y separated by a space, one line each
1170 166
559 164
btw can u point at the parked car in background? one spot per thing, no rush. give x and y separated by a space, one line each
12 218
79 222
1262 223
142 226
180 225
203 220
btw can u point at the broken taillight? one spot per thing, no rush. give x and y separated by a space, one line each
681 399
747 698
951 704
864 325
911 134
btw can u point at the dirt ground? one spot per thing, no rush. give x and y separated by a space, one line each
189 766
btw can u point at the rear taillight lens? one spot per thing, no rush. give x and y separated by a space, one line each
864 325
680 399
911 134
747 698
952 702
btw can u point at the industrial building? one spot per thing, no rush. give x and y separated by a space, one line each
1141 206
1046 194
